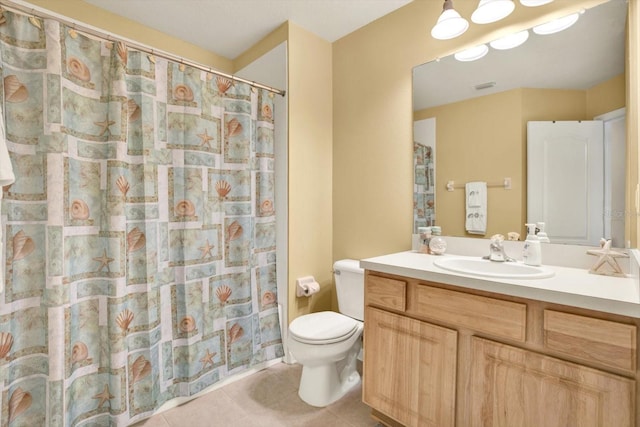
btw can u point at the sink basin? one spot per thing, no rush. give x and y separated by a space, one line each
486 268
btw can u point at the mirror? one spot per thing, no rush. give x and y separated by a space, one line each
470 118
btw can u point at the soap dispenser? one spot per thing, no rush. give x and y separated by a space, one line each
532 254
542 235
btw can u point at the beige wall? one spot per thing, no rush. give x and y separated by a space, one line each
310 166
372 136
310 161
494 129
479 140
484 139
606 96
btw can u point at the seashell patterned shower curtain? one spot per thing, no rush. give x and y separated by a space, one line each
139 233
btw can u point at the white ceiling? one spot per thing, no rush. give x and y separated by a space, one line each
588 53
230 27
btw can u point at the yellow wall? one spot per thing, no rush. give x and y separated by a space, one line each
484 139
479 140
310 166
606 96
310 161
265 45
494 129
372 136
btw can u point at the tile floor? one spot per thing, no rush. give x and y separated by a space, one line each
268 398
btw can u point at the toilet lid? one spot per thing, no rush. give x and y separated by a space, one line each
324 327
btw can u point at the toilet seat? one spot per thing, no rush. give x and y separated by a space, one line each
325 327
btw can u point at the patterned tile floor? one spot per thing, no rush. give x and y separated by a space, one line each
268 398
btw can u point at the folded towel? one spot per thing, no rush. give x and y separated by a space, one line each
476 207
6 177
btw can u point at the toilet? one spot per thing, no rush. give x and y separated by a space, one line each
327 344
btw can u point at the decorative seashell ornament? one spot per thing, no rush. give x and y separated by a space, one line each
234 231
6 342
223 188
234 127
124 319
140 368
79 353
134 111
79 210
78 69
36 22
224 84
19 402
267 113
223 293
188 324
266 207
14 90
183 93
235 333
121 49
123 185
268 298
135 240
185 208
23 245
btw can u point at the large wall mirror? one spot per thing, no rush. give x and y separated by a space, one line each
471 120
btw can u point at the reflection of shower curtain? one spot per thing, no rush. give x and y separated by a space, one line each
140 230
423 186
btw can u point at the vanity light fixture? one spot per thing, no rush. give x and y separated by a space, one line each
556 25
472 54
534 3
450 24
510 41
492 10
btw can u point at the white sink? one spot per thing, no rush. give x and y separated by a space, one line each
486 268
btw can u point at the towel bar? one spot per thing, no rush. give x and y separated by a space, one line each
506 184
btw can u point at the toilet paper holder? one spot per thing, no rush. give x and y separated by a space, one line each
306 286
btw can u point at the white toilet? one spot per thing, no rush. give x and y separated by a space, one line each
327 343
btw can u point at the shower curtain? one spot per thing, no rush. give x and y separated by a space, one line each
139 233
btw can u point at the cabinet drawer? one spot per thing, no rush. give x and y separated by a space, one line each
500 318
592 340
386 293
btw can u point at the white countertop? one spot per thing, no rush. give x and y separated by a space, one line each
569 286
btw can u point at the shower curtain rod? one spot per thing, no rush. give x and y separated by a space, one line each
94 31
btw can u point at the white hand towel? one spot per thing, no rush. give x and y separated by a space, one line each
6 177
476 207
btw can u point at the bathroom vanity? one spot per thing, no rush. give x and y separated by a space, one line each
445 349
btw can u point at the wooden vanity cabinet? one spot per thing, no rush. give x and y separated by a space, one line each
440 355
412 376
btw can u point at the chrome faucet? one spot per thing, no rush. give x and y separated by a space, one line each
496 252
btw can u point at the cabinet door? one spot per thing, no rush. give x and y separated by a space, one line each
409 369
515 387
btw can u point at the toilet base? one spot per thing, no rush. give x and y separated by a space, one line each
321 385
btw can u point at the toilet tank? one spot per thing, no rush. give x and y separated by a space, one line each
350 287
